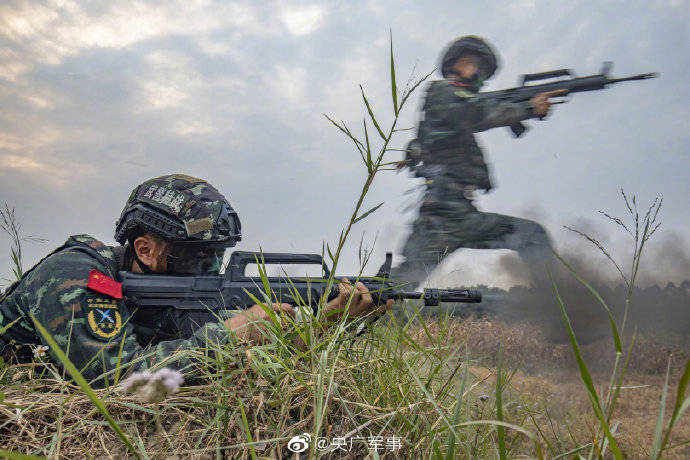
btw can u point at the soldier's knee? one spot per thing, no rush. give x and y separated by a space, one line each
533 233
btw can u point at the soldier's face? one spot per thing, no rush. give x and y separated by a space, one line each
469 67
177 259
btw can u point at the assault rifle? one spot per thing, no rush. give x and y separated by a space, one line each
182 303
571 83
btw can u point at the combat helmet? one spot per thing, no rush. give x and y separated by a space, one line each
473 45
189 213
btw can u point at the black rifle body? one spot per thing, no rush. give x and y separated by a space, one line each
182 303
571 84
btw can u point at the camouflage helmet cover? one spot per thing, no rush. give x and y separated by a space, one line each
181 209
469 44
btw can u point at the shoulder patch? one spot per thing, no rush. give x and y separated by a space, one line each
103 317
104 284
463 93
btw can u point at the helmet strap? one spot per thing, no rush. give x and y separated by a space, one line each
170 264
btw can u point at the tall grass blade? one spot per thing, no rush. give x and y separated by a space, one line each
247 431
371 114
430 398
362 216
681 405
500 430
367 160
658 428
614 329
394 86
458 405
7 326
79 379
585 375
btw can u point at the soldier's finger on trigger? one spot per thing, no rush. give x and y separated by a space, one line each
366 299
345 286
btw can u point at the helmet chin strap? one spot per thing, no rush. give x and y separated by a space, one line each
170 264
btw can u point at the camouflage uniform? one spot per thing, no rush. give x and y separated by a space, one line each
91 327
91 324
448 156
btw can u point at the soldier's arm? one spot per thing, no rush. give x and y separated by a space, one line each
476 113
473 113
490 113
93 328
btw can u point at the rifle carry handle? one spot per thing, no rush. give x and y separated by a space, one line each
546 75
240 259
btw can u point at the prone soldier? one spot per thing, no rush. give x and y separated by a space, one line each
175 224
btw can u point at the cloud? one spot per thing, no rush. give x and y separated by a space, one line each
17 162
303 20
192 127
170 80
23 144
47 35
289 82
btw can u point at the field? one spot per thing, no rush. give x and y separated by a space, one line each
366 391
556 376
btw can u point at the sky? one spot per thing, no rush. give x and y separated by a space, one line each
99 96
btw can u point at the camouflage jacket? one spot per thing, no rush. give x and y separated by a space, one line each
91 327
452 114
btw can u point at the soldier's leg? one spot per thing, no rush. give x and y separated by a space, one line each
526 237
423 250
426 244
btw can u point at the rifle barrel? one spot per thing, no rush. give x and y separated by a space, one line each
642 76
434 296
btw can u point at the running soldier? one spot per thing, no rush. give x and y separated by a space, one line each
447 155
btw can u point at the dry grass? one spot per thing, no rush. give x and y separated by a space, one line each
546 382
529 348
545 394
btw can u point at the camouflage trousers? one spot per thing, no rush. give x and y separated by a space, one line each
445 226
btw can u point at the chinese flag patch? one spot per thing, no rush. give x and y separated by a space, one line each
104 284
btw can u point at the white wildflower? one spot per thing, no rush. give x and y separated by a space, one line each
40 351
154 387
135 381
171 379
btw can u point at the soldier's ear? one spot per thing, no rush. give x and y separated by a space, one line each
148 250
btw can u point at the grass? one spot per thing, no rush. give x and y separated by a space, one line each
413 387
428 389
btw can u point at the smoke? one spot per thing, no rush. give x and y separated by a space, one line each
660 303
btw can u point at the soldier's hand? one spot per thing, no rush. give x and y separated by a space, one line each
541 104
362 302
248 324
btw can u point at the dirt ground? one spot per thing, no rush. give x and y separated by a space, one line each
546 383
